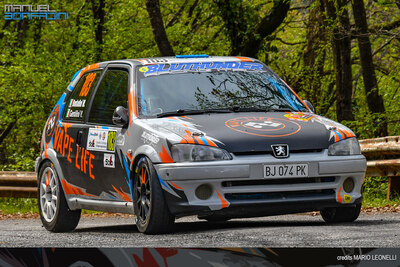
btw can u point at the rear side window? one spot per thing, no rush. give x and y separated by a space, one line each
112 92
76 106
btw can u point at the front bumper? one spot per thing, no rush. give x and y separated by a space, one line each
239 188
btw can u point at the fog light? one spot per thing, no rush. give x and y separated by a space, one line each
203 192
348 185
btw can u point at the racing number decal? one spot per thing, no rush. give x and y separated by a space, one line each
88 84
263 126
51 124
111 141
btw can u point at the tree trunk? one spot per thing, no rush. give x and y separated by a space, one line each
160 36
341 46
374 100
266 27
99 15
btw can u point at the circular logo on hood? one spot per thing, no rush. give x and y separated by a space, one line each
51 124
263 126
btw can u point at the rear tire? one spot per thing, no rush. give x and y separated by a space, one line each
341 214
53 208
150 207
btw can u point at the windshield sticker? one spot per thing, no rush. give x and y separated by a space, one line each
200 66
263 126
101 140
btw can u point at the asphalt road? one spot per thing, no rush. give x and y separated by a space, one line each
370 230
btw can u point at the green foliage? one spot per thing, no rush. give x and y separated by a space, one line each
39 58
10 205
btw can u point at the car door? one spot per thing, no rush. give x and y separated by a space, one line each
109 169
75 161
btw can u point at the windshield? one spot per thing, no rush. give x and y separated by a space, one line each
212 90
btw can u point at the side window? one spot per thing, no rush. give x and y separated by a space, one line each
112 92
76 106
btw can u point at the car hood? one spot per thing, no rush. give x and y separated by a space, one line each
244 132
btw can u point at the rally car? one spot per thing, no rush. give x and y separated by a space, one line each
216 137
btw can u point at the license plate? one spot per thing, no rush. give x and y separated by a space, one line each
285 170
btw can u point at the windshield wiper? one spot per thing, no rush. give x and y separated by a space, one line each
258 109
181 112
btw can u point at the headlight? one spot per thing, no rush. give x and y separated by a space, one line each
186 152
345 147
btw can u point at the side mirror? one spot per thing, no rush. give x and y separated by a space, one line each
308 103
120 116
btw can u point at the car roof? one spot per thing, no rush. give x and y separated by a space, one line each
181 59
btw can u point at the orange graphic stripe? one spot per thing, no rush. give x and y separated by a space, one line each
224 203
188 137
339 197
87 68
198 140
178 187
186 117
122 194
165 157
336 137
246 59
73 190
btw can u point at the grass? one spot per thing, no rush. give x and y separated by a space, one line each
9 205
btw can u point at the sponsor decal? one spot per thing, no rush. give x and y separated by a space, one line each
120 140
299 116
200 66
64 145
263 126
109 160
150 138
77 103
347 198
51 124
101 140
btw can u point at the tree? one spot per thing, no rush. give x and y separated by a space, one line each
160 36
374 99
339 22
246 37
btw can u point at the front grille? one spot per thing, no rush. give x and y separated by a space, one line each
280 195
280 181
246 153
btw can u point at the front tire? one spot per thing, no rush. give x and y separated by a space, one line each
53 208
341 214
150 207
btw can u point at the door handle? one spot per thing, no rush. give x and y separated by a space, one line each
79 137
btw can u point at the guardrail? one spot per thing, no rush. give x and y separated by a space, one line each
18 184
383 159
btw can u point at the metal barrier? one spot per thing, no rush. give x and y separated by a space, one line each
18 184
383 159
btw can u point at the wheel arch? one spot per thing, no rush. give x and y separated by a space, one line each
52 158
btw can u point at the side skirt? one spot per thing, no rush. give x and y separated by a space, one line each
100 205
